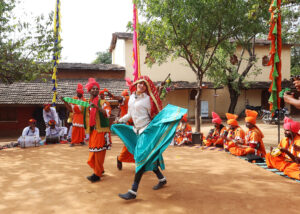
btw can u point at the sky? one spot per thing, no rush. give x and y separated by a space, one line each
87 26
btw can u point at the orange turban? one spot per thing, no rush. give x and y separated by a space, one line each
251 116
216 118
184 118
51 122
125 93
32 121
47 106
103 91
231 119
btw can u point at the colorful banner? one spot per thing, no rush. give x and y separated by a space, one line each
56 52
136 48
275 54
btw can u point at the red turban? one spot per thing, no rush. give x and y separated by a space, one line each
80 89
103 91
291 125
125 93
32 121
216 118
52 122
251 116
231 119
47 106
184 118
91 83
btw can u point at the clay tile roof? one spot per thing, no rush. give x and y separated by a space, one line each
40 92
85 66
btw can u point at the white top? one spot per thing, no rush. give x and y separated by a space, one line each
139 108
51 115
56 132
28 132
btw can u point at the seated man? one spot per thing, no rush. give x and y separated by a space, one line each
30 135
213 138
253 141
54 133
236 134
50 113
285 154
183 135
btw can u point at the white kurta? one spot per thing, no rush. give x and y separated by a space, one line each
29 137
28 132
56 132
51 115
139 107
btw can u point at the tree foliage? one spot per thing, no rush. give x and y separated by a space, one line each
190 29
26 49
224 73
103 58
291 34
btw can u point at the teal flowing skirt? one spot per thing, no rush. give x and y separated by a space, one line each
148 147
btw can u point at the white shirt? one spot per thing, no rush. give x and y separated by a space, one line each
51 115
28 132
139 108
56 132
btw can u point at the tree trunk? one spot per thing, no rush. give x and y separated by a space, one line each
198 108
234 95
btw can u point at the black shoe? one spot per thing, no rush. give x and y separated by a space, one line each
71 145
129 195
82 143
119 164
93 178
159 185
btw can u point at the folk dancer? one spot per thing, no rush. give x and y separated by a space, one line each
97 124
150 135
78 131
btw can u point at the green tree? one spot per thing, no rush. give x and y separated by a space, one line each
189 29
291 34
26 49
226 72
103 58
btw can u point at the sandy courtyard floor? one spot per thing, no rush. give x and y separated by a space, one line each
52 179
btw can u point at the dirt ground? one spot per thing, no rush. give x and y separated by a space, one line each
52 179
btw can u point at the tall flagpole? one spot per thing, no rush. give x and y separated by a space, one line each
56 52
275 59
136 49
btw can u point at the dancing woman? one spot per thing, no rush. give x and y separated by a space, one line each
150 136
